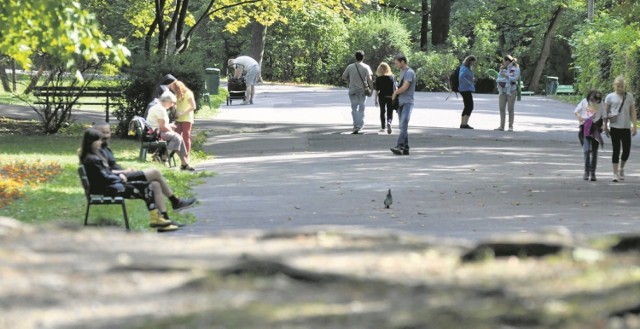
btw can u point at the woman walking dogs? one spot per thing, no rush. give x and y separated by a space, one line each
620 124
466 88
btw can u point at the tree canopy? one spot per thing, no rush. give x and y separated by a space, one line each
60 28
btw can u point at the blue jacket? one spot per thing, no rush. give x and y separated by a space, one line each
466 79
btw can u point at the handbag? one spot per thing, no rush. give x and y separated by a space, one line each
367 90
395 102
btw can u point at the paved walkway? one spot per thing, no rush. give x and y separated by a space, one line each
288 161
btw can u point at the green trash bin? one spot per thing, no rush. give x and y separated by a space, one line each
552 85
212 81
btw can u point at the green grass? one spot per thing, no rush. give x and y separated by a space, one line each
62 198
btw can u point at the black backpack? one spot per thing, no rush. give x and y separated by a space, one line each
454 80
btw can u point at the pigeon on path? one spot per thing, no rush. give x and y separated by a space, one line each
388 200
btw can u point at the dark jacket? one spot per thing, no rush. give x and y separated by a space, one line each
101 179
111 159
385 85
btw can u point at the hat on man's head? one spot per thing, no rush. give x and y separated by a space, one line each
168 79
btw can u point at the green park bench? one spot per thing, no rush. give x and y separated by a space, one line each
104 96
565 90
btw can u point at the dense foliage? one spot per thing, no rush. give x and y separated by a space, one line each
604 49
143 77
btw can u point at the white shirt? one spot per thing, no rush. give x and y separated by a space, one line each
582 110
247 63
619 117
156 113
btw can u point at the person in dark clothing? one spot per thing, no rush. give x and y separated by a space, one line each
384 86
466 88
102 180
146 175
159 90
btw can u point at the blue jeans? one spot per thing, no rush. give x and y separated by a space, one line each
590 148
357 109
404 112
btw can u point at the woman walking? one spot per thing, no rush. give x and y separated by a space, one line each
620 124
509 75
185 107
466 87
384 86
589 112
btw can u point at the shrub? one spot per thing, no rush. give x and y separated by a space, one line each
143 76
309 48
380 35
433 70
605 49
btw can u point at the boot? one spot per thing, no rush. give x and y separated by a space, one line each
615 173
157 220
621 170
586 174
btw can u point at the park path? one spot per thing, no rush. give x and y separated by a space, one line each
289 162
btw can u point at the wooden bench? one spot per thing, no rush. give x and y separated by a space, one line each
156 146
94 199
565 90
106 96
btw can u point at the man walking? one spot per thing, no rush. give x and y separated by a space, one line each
404 93
358 75
252 69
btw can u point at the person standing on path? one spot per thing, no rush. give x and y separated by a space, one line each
185 115
620 124
466 88
404 93
252 69
358 75
589 110
384 85
511 72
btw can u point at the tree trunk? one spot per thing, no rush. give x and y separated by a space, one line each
258 40
36 78
546 48
440 11
4 77
424 26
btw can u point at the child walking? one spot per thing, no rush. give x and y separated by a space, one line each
590 115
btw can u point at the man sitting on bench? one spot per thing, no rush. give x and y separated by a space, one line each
147 175
158 118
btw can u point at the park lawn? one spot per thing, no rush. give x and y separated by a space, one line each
61 199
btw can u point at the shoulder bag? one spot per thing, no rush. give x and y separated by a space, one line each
367 89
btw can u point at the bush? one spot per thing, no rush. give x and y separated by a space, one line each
433 70
143 76
309 48
380 35
605 49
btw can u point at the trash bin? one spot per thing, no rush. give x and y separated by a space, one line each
552 85
212 80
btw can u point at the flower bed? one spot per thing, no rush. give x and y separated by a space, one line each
16 176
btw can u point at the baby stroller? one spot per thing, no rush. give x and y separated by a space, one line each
235 86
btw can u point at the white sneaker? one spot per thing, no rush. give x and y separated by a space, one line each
245 103
510 128
616 178
499 129
621 174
